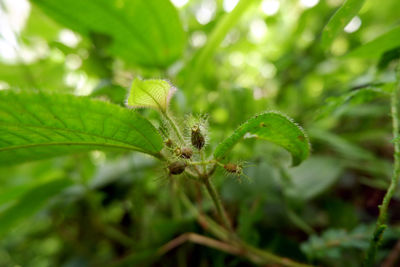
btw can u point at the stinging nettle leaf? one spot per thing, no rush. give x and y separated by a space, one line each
150 94
274 127
339 20
42 125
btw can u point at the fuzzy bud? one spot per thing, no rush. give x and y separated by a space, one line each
198 140
177 152
177 167
186 152
168 143
233 168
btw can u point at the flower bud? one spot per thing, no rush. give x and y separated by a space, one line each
186 152
233 168
169 142
197 138
177 167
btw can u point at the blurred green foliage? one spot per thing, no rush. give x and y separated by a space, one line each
117 208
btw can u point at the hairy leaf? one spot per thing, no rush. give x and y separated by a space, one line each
37 125
150 94
339 20
274 127
142 32
30 203
378 46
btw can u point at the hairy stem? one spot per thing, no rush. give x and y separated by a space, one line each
203 159
206 162
176 206
217 202
174 127
205 221
383 208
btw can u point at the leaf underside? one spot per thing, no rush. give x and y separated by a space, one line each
41 125
274 127
150 94
148 33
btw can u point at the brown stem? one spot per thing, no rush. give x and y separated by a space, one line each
201 240
253 254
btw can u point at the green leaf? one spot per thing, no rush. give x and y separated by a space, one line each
335 243
342 146
38 125
30 203
274 127
148 33
13 193
339 20
360 96
42 73
9 193
150 94
378 46
313 177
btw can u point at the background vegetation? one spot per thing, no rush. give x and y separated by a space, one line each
230 60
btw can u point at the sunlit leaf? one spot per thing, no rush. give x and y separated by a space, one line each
44 74
378 46
218 34
143 32
37 125
150 94
274 127
339 20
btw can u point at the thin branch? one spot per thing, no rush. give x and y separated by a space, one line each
201 240
206 222
253 254
383 209
218 204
